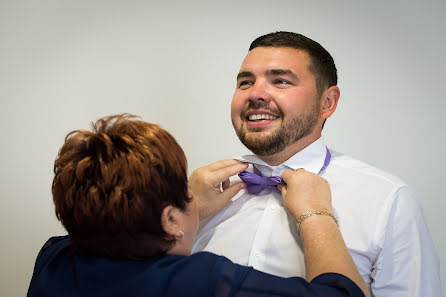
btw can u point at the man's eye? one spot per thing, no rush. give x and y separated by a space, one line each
282 82
244 83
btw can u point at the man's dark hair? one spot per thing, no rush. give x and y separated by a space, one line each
322 64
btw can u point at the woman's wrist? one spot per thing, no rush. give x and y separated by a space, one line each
307 214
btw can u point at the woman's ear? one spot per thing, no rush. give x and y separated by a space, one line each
170 220
329 101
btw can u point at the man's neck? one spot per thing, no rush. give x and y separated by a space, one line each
289 151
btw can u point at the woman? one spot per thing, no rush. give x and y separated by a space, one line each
121 193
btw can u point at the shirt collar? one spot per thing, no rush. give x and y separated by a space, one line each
311 158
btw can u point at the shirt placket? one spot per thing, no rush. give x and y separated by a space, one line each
258 257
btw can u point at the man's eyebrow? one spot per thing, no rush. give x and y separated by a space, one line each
281 72
244 74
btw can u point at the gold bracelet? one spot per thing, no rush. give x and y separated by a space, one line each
310 213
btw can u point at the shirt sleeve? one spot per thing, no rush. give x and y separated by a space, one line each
241 281
407 265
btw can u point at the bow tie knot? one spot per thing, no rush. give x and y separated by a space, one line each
256 182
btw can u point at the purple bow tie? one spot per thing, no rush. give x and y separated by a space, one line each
256 182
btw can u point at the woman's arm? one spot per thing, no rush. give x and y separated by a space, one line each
323 245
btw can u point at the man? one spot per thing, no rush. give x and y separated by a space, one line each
286 89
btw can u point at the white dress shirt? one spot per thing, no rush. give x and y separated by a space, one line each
379 217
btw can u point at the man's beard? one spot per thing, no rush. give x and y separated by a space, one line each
288 133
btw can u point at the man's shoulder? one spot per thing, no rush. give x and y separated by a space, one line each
346 166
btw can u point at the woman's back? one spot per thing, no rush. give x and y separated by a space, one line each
60 272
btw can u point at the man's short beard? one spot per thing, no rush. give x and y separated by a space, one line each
288 134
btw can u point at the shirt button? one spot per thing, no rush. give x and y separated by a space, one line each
272 206
258 255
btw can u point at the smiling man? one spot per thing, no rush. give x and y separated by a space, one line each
286 89
276 109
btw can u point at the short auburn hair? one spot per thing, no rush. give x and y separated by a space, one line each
112 183
322 64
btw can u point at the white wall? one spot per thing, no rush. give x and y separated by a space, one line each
64 64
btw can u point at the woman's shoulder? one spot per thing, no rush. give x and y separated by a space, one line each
202 261
52 247
56 242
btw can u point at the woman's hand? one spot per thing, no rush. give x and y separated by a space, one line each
305 191
210 185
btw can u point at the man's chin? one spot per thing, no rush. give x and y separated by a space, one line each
257 141
257 137
262 147
259 130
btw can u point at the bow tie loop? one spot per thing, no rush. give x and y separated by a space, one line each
256 182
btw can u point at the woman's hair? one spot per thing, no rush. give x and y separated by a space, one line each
112 183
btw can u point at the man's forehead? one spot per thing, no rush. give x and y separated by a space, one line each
269 58
268 72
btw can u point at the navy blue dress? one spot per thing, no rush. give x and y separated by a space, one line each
60 272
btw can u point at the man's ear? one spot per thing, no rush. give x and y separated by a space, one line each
170 220
329 102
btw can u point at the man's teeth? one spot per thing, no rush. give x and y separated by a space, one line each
256 117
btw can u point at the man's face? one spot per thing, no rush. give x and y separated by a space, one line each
276 102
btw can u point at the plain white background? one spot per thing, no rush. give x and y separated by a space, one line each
64 64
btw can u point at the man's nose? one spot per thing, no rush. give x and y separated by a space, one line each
260 92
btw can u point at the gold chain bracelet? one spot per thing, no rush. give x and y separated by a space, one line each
310 213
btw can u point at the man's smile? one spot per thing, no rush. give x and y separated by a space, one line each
259 117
